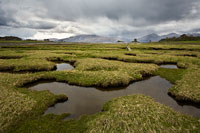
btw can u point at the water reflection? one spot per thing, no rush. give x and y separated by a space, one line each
169 66
64 66
84 100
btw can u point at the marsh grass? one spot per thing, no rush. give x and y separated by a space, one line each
134 113
138 113
21 110
188 88
18 104
16 65
97 72
171 75
166 46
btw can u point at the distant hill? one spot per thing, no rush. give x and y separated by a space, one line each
89 39
10 38
193 34
151 37
51 39
184 37
170 35
155 38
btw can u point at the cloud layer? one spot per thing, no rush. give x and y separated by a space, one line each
122 18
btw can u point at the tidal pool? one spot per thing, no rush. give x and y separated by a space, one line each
64 66
88 100
169 66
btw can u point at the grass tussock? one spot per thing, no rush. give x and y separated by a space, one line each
101 64
18 104
13 104
188 88
97 72
171 75
16 65
139 113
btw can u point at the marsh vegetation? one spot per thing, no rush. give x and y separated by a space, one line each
100 66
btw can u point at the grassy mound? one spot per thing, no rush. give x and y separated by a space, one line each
17 65
139 113
171 75
19 104
97 72
188 88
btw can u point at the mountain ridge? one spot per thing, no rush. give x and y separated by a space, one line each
89 39
155 37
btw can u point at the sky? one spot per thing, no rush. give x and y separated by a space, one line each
40 19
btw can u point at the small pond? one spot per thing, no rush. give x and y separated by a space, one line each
169 66
88 100
64 66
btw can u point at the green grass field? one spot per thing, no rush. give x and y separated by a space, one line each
99 65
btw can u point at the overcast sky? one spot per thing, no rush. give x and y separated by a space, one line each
120 18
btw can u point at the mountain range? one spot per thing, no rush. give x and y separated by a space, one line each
89 39
100 39
155 38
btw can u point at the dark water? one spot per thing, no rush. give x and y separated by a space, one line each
169 66
83 100
64 66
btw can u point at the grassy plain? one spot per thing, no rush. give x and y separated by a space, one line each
102 65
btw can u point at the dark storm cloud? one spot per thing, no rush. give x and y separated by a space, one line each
20 14
110 17
38 25
4 18
140 11
3 21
